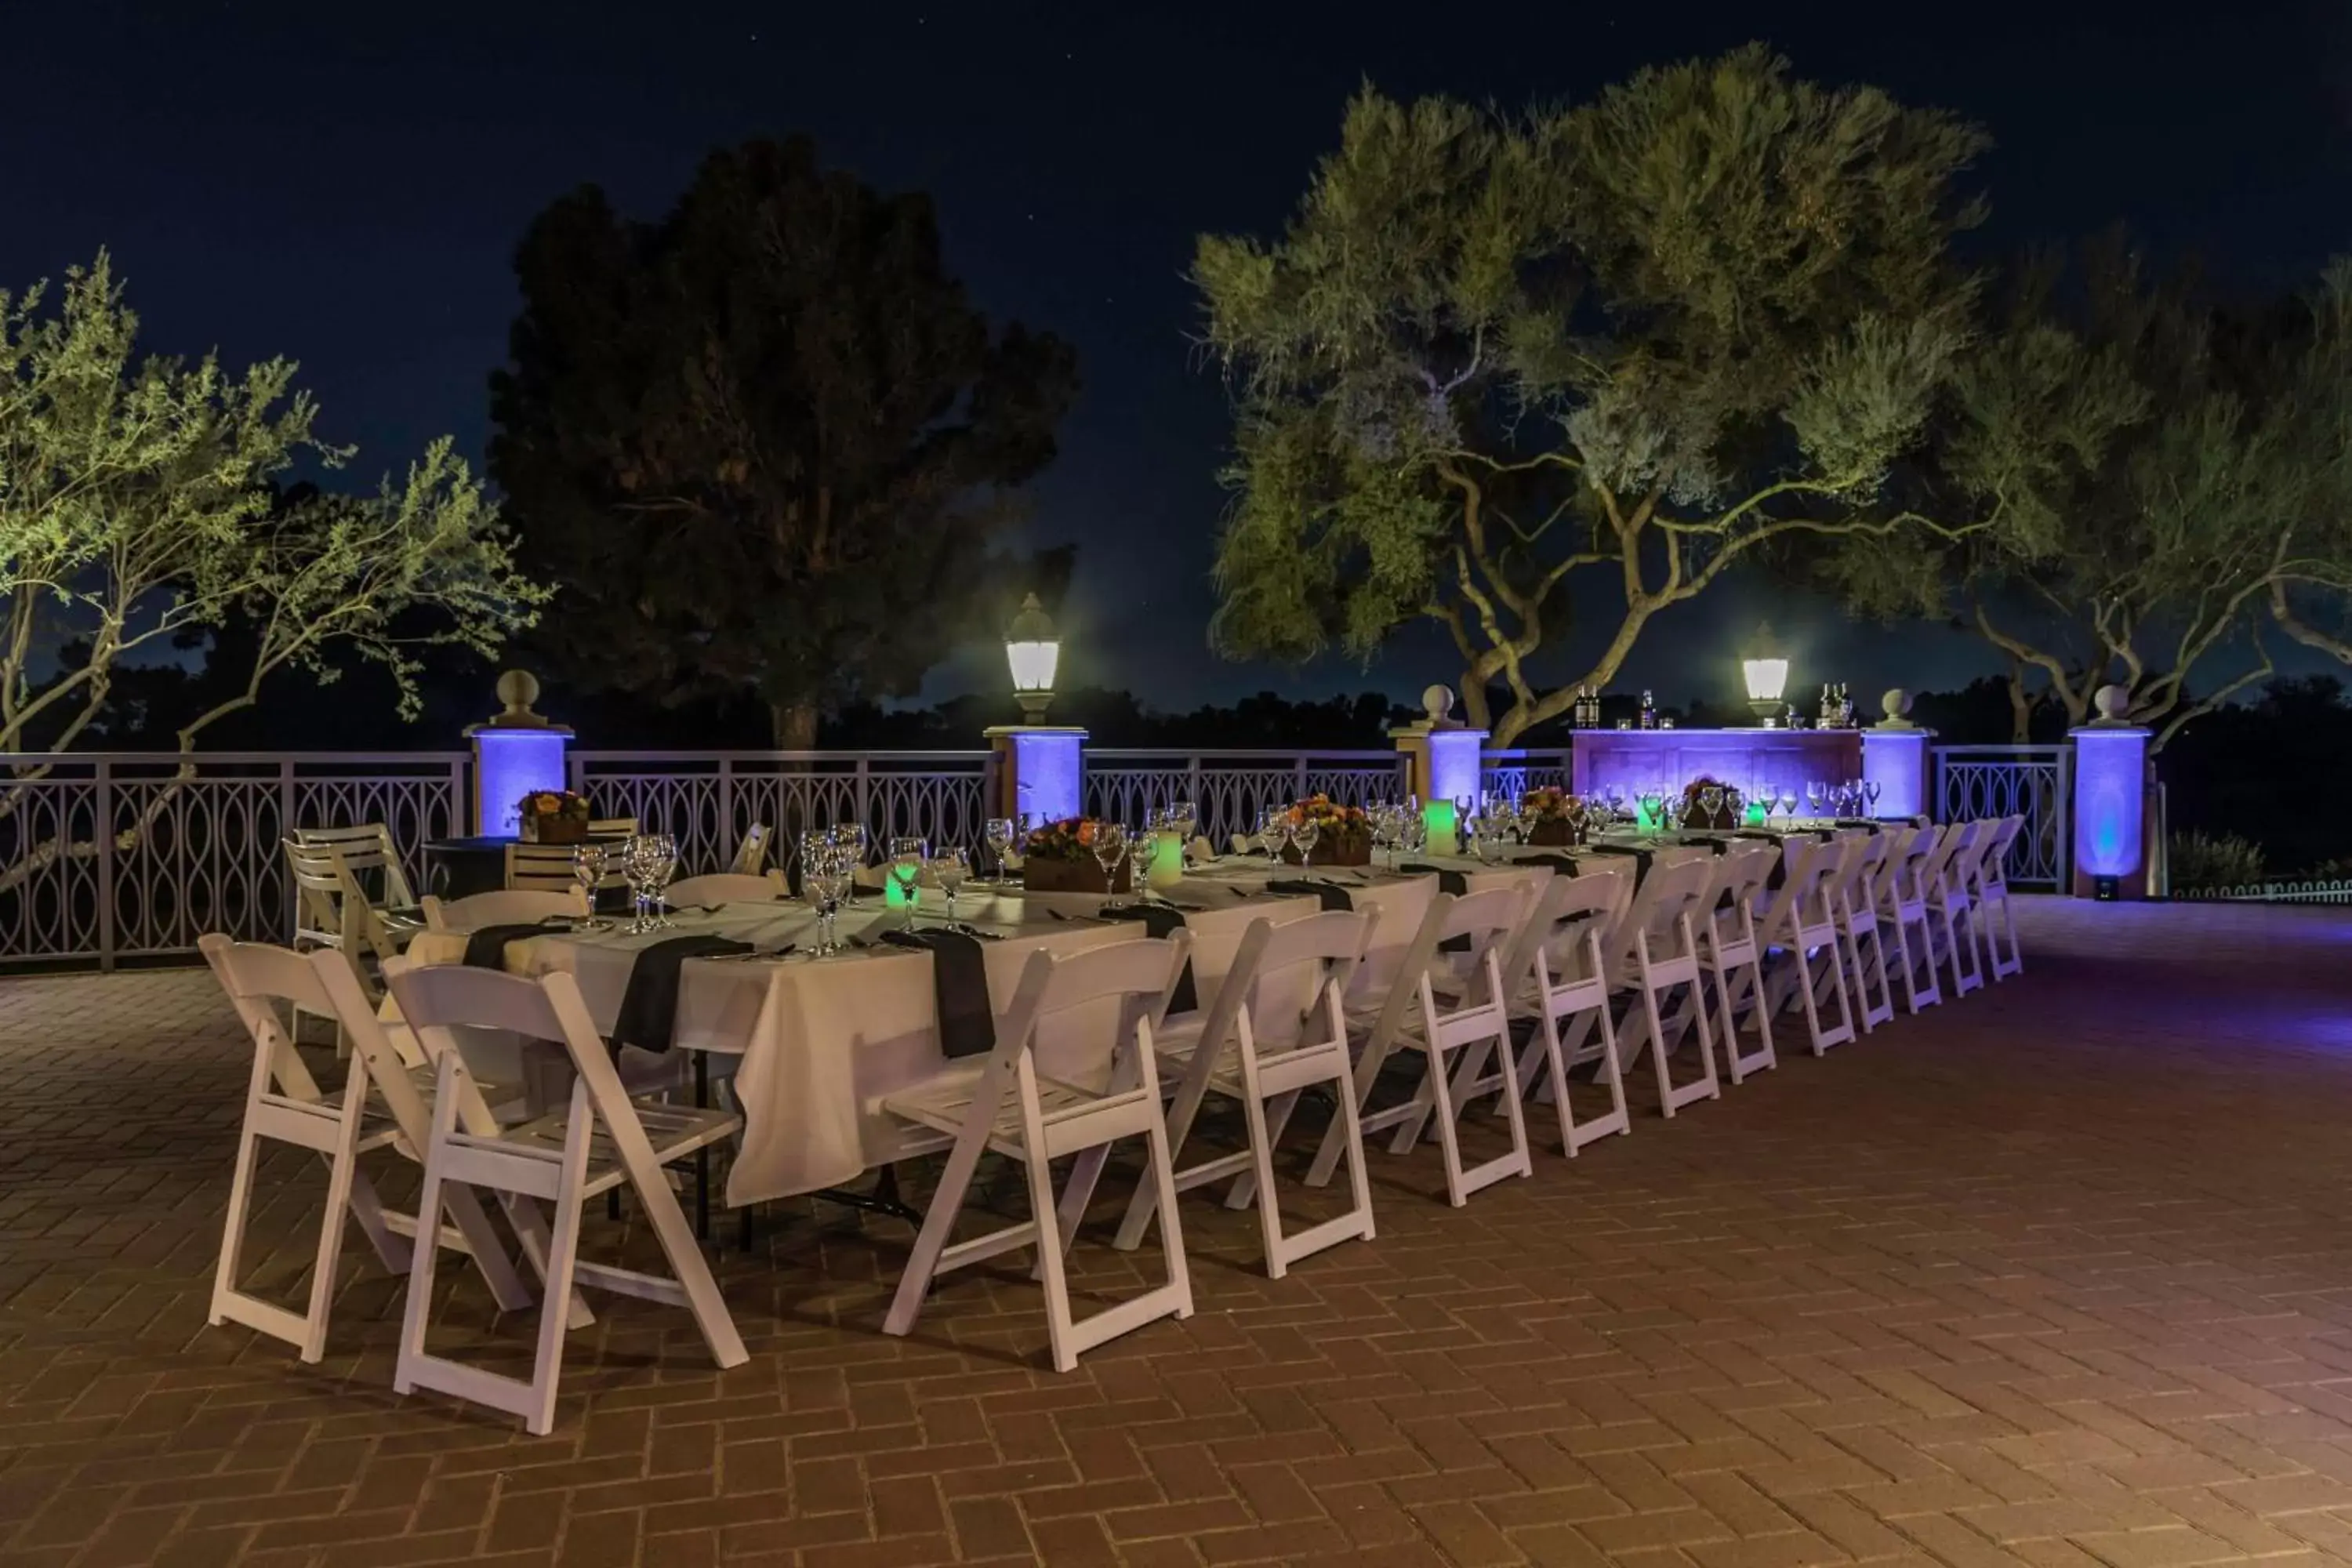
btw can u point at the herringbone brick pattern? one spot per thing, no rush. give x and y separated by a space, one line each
2058 1275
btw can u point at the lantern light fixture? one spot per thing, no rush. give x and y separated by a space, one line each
1033 650
1766 671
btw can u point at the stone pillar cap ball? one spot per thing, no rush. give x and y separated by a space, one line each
519 689
1896 703
1436 702
2114 703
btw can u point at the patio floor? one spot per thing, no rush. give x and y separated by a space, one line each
2058 1274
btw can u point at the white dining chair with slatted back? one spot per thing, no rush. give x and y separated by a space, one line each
1256 1045
726 888
1007 1104
379 1108
751 852
1801 927
502 906
1989 902
612 828
369 853
1566 993
1734 957
602 1140
1859 951
1901 896
1951 939
1452 1010
539 867
1657 956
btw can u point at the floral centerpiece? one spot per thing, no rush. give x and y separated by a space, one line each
552 817
1552 818
1343 834
1694 812
1059 858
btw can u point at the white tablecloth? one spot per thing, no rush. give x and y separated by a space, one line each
820 1042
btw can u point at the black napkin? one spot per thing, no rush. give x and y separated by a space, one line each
1333 896
487 947
1562 864
649 1015
959 985
1456 883
1162 921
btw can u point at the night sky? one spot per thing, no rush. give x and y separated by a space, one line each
345 185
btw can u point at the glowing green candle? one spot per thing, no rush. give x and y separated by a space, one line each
1437 816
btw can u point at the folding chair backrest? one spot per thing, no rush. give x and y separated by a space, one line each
1570 912
752 851
1992 868
1958 839
318 893
1311 958
1907 878
257 976
509 906
1138 975
543 867
1411 972
1744 874
1489 922
1668 894
1803 903
365 847
1853 849
727 887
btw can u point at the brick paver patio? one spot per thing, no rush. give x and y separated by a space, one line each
2058 1274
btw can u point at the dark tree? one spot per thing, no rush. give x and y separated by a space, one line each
766 444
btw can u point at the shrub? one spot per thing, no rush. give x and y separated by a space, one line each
2219 860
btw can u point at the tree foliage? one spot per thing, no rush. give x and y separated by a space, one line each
767 442
139 508
1633 341
2169 474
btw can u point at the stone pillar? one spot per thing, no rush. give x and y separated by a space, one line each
1040 771
516 753
2110 803
1443 765
1895 756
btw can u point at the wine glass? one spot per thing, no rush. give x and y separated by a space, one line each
1304 834
1184 817
1816 795
662 865
1412 833
854 838
950 867
907 857
1870 794
588 867
1710 801
1272 827
1140 847
824 874
997 834
1788 796
1110 848
1653 803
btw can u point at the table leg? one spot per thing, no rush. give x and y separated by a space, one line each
884 1199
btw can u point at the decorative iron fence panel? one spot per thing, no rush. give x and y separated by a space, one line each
1233 790
2304 892
1516 770
707 799
2036 782
116 854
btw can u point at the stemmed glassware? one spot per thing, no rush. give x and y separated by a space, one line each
648 861
1272 829
1653 803
950 866
907 857
1870 794
1817 794
826 868
1141 846
998 836
853 837
588 864
1184 818
1304 834
1710 801
1110 848
1788 805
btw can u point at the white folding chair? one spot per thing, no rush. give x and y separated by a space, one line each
1800 924
751 852
1566 993
1951 939
506 906
1901 897
1733 956
612 828
727 887
1220 1050
380 1108
539 867
1859 948
601 1142
366 848
1007 1105
1988 890
1471 1027
1655 949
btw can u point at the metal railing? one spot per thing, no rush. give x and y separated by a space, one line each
1517 769
2295 892
2034 781
120 854
706 799
1233 790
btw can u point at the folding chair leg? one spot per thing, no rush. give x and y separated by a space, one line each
240 1202
1059 1326
686 1264
931 1239
331 1251
1076 1193
547 1360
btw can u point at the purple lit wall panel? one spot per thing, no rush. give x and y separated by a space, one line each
2110 778
513 764
1751 760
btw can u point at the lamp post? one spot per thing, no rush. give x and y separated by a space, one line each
1040 768
1766 671
1033 650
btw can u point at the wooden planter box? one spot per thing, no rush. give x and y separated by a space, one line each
1551 834
554 829
1355 852
1043 875
1720 821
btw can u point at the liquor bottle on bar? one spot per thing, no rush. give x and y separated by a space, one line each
1649 713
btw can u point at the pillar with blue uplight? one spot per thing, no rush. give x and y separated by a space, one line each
515 754
2110 801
